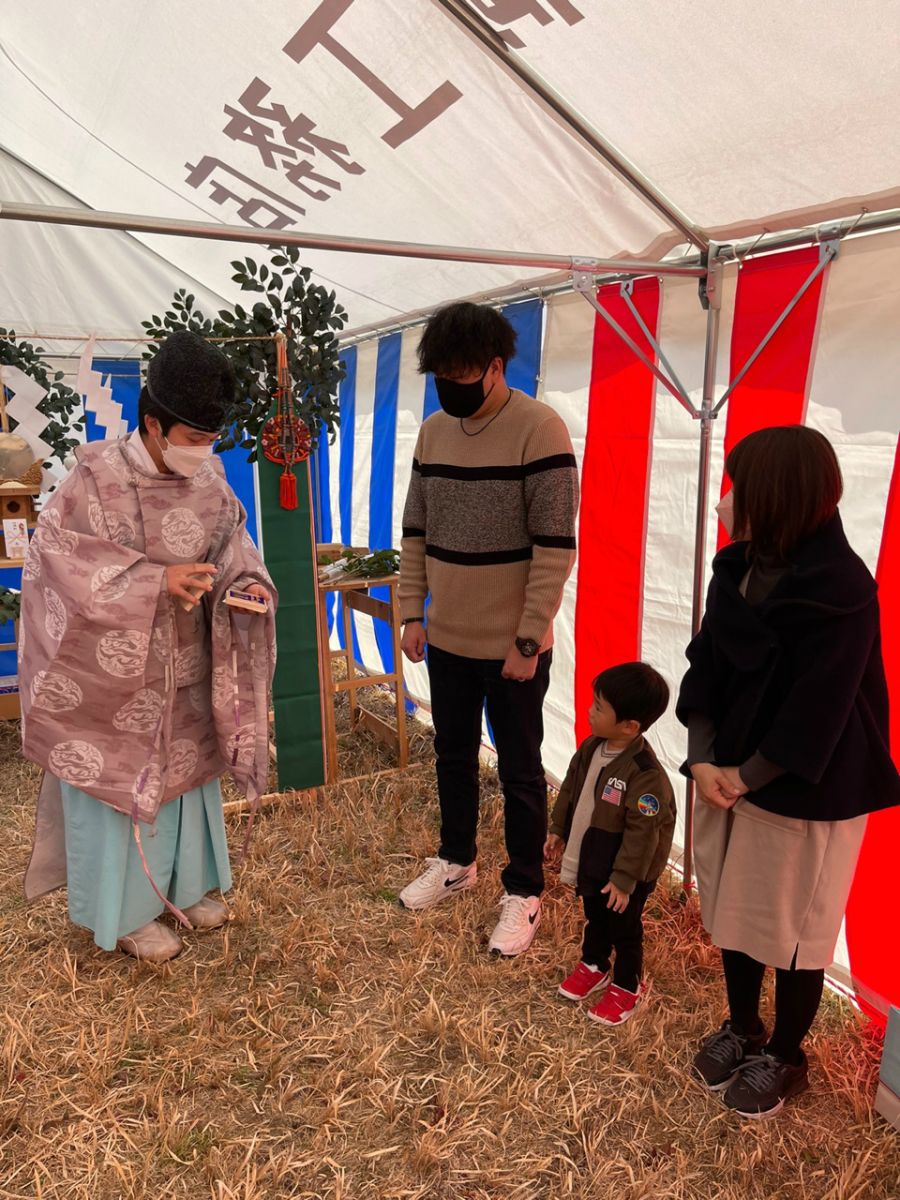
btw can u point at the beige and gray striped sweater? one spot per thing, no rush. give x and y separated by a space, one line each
489 528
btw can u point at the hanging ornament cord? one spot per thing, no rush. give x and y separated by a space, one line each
287 426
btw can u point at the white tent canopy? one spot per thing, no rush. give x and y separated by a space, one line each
386 119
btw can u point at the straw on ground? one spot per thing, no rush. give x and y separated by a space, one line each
330 1044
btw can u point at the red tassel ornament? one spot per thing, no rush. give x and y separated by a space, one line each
288 492
285 438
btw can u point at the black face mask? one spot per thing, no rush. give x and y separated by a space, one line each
462 399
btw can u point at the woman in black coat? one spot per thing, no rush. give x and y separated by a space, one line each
787 710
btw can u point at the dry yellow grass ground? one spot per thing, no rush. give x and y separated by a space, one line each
332 1045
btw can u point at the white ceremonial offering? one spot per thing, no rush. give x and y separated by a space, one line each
15 535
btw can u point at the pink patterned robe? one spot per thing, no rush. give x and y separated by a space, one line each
124 694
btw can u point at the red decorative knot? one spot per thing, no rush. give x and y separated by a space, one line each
286 439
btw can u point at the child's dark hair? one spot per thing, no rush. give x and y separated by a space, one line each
465 337
635 691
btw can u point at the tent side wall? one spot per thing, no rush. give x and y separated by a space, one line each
833 365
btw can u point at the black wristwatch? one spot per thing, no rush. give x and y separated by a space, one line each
413 621
527 647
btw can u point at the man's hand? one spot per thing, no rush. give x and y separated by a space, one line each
553 849
413 641
518 667
258 589
715 787
188 581
618 900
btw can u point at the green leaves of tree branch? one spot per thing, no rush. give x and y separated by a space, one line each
290 302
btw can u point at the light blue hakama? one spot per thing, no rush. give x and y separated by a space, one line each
186 851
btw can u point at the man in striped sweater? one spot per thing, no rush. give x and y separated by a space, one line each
489 539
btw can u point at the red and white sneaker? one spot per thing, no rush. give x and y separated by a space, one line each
583 982
616 1005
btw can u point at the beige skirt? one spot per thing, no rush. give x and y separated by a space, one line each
773 886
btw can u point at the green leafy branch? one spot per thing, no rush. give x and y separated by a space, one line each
10 605
310 316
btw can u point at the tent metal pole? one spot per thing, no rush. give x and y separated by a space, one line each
559 283
527 289
583 282
827 252
822 231
478 29
708 413
625 291
133 223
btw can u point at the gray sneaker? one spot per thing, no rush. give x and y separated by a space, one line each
764 1083
722 1055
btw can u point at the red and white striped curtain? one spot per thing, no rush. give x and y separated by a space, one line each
835 366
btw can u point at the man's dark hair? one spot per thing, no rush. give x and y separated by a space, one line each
464 337
146 408
787 484
635 692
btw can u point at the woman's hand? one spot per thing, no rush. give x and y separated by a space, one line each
715 786
737 785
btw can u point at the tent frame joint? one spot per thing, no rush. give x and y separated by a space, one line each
583 282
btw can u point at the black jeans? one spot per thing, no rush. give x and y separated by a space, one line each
623 932
460 688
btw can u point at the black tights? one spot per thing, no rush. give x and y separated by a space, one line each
797 997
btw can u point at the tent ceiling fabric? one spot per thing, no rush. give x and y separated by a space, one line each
748 116
382 118
72 281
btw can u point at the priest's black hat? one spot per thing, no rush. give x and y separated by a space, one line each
192 381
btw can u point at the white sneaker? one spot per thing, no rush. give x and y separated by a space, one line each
519 919
440 880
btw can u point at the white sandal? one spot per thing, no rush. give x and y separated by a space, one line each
153 942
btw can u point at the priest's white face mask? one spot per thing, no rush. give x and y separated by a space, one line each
184 460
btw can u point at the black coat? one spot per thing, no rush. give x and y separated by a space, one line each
800 679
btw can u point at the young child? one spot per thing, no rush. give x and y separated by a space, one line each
612 831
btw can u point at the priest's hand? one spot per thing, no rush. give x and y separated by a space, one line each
258 589
189 581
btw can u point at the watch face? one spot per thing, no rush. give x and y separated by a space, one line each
527 647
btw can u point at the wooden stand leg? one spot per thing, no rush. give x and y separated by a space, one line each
351 662
328 723
399 689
